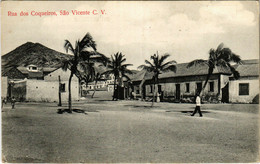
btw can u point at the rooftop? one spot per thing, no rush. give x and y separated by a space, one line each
248 68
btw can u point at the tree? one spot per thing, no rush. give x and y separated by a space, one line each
118 69
97 77
157 66
221 57
88 65
81 55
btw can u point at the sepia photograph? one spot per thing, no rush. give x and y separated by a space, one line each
130 81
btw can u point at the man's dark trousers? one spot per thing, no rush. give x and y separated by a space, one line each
197 109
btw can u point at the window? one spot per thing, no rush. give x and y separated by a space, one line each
211 86
151 88
34 68
244 89
62 87
187 87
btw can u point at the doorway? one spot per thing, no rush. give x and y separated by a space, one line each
178 92
225 94
198 87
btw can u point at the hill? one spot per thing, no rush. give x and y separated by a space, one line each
33 53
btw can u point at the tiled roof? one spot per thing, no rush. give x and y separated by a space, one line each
35 74
4 70
250 67
24 70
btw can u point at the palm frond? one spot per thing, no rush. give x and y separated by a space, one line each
236 58
170 68
86 42
220 47
235 73
68 46
126 65
172 62
145 67
149 63
163 58
66 65
222 63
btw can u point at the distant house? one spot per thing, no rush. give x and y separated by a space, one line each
34 72
183 85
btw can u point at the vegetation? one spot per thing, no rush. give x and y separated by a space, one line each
97 77
221 57
117 67
82 56
158 65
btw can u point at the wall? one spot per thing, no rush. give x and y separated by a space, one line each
47 91
234 90
4 86
64 75
169 86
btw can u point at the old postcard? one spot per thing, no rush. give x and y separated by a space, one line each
130 82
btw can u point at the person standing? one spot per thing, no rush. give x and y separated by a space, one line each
197 108
13 102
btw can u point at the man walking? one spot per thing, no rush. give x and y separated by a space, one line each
197 108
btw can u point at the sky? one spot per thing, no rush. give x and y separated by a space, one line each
185 30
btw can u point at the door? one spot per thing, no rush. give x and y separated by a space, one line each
143 91
178 91
159 88
198 88
225 94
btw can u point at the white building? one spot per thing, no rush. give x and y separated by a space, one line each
246 89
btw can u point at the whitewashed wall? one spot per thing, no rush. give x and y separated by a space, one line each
48 91
234 90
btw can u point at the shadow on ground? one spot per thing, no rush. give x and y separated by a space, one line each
104 100
61 111
191 111
142 106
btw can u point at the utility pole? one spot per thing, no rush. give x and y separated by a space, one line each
59 93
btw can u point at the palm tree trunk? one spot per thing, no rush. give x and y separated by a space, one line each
153 93
114 94
70 106
210 71
59 92
94 89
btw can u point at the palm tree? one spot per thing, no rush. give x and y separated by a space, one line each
88 65
221 57
118 69
97 77
81 54
158 66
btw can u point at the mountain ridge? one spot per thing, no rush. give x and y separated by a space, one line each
33 53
